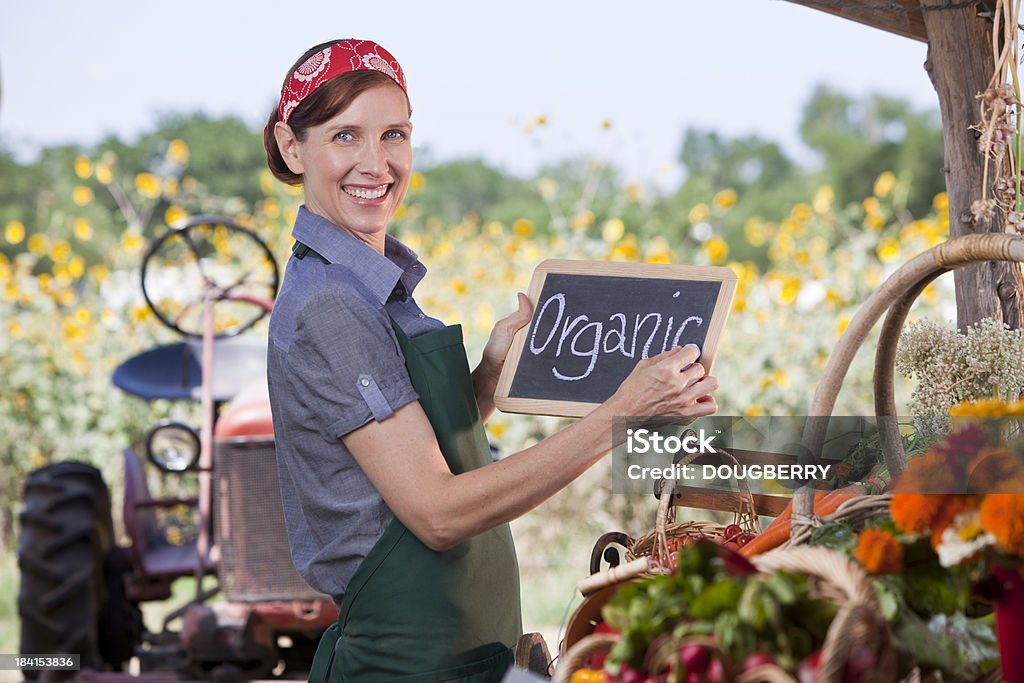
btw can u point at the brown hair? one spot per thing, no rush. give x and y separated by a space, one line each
324 103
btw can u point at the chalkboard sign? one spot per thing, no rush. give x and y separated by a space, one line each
593 321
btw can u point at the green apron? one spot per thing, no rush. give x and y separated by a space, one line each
413 614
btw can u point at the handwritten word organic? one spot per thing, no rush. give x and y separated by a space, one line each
579 336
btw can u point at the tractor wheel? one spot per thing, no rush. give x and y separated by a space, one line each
66 546
121 625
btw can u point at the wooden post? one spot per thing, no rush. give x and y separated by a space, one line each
960 65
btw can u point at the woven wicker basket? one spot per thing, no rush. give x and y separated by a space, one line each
858 623
655 552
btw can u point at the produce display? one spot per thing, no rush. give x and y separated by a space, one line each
715 619
892 587
917 576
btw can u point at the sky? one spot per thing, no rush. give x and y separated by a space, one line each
480 73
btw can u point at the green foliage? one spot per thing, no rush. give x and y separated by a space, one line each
9 623
767 181
711 594
18 188
961 648
858 140
457 188
839 536
924 587
225 155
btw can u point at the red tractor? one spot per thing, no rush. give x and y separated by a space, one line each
80 591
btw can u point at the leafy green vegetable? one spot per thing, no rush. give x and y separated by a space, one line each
745 614
934 590
839 536
961 647
721 596
890 595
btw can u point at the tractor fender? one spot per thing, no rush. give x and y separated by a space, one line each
247 415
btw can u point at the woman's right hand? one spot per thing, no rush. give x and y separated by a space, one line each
671 383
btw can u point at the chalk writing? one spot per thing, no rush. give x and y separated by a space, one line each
594 321
596 337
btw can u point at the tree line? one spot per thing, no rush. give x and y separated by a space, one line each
852 140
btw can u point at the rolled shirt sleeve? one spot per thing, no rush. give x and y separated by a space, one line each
346 364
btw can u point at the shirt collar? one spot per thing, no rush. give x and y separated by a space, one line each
380 273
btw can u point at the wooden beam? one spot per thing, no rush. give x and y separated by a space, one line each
727 501
903 18
876 13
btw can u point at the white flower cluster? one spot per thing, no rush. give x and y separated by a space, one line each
963 539
950 367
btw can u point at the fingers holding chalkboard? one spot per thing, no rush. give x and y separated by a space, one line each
684 357
671 383
684 361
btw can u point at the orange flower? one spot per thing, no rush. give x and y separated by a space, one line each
1002 515
879 552
913 512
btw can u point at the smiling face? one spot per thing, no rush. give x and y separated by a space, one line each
355 166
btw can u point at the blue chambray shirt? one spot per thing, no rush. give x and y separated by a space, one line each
334 364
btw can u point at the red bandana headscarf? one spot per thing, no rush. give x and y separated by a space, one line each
340 58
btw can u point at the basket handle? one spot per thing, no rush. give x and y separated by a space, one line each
885 375
662 560
859 620
666 510
898 292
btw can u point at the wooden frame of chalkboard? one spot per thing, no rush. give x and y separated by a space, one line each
624 311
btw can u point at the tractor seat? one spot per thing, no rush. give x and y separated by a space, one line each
173 371
151 548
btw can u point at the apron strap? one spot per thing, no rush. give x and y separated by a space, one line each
301 251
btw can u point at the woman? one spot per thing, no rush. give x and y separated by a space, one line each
394 506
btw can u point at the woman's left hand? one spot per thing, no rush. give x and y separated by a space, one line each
485 377
501 338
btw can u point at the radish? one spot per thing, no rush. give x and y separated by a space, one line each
596 661
694 658
756 659
629 675
716 672
807 670
859 661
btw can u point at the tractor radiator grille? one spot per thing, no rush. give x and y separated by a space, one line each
256 564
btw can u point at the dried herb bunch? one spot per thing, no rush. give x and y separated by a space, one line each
999 139
951 368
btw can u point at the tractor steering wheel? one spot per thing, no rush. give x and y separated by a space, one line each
209 257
